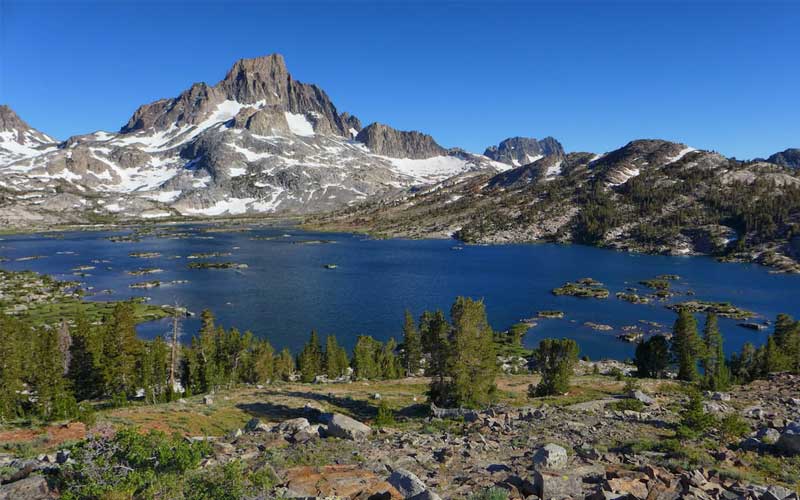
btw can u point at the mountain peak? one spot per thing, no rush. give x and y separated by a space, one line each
260 78
787 158
10 120
524 150
17 138
260 81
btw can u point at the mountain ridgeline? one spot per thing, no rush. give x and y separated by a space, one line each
649 196
261 142
257 142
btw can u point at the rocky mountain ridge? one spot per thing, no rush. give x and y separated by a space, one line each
257 142
649 196
787 158
518 151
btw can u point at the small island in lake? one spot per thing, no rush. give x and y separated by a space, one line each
586 288
550 314
217 265
723 309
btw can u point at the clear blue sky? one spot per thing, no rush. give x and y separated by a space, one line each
716 75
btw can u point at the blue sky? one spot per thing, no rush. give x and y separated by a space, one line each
716 75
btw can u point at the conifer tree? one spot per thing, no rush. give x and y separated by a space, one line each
435 334
412 345
64 342
11 359
389 364
687 347
310 359
335 358
284 365
206 347
120 350
652 357
365 356
471 363
745 365
53 399
555 359
716 375
773 357
85 372
262 363
159 360
787 338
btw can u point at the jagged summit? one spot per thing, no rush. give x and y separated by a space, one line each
257 82
518 151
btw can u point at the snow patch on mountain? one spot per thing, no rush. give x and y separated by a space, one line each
299 124
681 154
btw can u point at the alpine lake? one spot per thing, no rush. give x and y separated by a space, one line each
281 282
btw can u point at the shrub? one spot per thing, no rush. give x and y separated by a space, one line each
385 416
630 386
129 463
733 426
490 494
694 418
628 404
617 374
86 415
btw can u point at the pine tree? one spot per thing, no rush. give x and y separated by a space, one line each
120 350
716 375
412 345
745 365
85 372
284 365
335 358
11 363
787 338
53 399
774 359
365 353
389 364
310 359
555 360
262 363
652 357
435 332
206 348
471 363
159 361
64 342
687 347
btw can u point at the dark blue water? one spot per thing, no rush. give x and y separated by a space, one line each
286 291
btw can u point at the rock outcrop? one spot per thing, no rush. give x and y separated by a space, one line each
384 140
787 158
518 151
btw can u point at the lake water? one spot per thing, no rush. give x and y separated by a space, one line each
286 291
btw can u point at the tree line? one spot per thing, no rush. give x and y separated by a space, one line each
52 372
701 359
